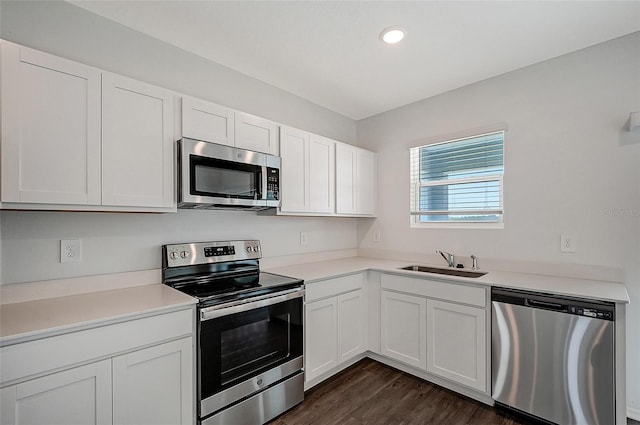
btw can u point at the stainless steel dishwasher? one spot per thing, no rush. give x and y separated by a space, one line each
553 357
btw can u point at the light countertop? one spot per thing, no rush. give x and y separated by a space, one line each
582 288
19 321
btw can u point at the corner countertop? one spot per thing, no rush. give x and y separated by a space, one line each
582 288
30 319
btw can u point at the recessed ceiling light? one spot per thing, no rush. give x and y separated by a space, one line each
392 35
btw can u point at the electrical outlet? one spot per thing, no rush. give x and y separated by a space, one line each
70 250
376 236
303 238
567 243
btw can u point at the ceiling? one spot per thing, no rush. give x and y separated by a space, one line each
329 53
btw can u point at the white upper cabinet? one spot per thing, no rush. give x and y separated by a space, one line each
207 121
307 172
213 123
137 143
50 128
76 138
366 186
256 134
356 180
294 145
321 174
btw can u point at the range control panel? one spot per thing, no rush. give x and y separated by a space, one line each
185 254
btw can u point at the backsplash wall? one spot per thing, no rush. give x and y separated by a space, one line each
120 242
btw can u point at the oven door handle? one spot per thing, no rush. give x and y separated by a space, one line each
240 306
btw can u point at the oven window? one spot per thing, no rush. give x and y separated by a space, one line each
224 179
254 345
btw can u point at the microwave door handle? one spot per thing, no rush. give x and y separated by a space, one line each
263 183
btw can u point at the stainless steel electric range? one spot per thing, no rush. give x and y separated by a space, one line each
250 336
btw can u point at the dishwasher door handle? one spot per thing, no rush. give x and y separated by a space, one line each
545 304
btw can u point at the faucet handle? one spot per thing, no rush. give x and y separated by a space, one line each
475 262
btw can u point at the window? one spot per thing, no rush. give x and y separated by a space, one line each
458 181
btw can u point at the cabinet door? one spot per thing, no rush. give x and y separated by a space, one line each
352 325
321 174
321 337
456 341
366 182
403 322
256 134
50 128
294 185
137 144
207 121
345 179
79 396
154 385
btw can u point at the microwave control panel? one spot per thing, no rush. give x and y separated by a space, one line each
273 183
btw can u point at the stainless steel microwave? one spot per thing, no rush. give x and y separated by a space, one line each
216 176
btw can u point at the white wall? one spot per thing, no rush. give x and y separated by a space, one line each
66 30
126 242
570 166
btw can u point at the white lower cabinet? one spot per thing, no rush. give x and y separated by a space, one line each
335 323
437 327
321 328
82 396
151 385
456 341
352 326
403 322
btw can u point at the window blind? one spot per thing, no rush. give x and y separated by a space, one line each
458 180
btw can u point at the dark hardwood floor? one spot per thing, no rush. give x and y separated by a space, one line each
371 393
374 394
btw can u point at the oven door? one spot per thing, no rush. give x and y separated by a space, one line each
246 347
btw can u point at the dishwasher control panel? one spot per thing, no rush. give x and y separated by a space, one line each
592 309
591 312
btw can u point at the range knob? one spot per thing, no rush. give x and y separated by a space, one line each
173 255
185 254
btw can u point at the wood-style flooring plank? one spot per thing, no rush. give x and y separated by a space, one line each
370 393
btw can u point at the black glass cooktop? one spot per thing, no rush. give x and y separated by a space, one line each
211 290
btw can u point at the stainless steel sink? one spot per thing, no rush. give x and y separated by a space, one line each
451 272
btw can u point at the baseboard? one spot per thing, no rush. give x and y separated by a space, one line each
633 413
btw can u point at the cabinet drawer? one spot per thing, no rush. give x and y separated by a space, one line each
333 287
433 289
47 354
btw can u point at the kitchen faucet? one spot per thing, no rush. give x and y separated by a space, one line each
449 258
